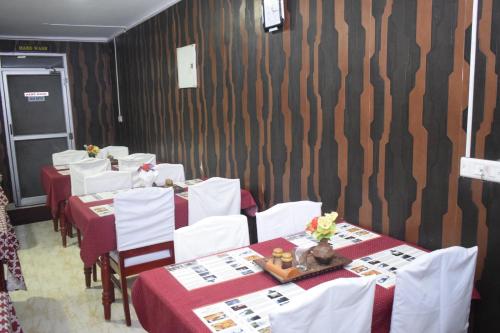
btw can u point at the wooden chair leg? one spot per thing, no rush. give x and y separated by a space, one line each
79 237
87 271
126 309
70 230
62 222
56 224
107 286
94 273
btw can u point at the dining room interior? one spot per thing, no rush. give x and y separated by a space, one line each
342 160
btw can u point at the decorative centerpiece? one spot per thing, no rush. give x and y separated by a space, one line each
147 174
92 150
322 228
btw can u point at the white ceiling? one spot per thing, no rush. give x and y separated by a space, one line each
74 20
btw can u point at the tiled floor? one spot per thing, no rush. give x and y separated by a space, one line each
56 299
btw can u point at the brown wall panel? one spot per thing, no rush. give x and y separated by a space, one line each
359 104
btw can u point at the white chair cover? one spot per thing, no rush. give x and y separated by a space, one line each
107 181
433 293
340 305
211 235
79 170
131 163
143 217
115 151
214 197
68 156
286 219
169 171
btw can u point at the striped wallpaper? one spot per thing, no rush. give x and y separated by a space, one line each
358 103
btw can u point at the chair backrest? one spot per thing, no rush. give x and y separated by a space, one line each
175 172
433 293
115 151
131 163
107 181
68 156
143 217
340 305
211 235
79 170
286 219
214 197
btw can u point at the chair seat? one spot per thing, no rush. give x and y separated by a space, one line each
142 258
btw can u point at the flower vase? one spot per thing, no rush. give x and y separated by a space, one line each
323 252
148 177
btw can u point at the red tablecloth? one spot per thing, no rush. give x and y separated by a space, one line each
8 320
99 235
162 304
57 187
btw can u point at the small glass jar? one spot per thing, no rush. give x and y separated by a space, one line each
286 260
277 253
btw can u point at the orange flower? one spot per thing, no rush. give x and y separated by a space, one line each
146 167
312 226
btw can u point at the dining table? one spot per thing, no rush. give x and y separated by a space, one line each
164 304
57 186
98 235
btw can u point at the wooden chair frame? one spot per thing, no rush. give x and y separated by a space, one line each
123 272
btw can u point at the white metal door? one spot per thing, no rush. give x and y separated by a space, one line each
37 124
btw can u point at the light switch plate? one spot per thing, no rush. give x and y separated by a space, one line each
480 169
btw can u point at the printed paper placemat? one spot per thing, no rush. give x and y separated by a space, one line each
103 210
385 263
98 196
215 269
247 313
187 183
183 195
346 234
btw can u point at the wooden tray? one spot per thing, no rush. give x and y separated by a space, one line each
294 274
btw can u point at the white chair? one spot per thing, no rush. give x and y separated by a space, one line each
107 181
115 151
131 163
286 219
211 235
79 170
175 172
68 156
144 222
340 305
214 197
433 293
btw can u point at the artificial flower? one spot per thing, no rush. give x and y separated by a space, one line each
147 167
92 150
323 226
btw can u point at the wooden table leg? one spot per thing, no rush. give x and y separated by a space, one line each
62 222
107 293
87 271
